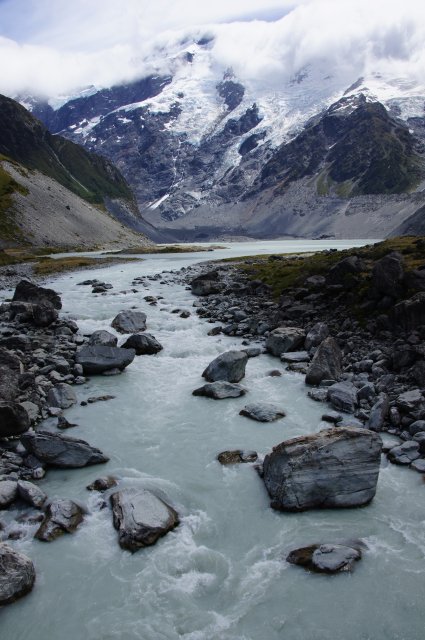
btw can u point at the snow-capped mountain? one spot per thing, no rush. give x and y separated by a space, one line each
208 153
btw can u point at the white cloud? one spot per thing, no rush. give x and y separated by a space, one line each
57 47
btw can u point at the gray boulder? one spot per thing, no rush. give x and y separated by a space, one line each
141 518
316 335
206 284
410 314
61 395
102 484
343 396
285 339
102 337
326 363
61 516
326 558
418 465
17 575
8 493
409 400
44 314
220 390
28 292
11 368
262 412
405 453
342 271
379 413
98 358
417 427
58 450
331 469
387 276
14 419
143 344
129 322
228 366
30 493
236 456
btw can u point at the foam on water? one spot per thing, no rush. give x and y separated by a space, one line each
220 575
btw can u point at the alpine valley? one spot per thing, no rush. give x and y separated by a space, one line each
323 153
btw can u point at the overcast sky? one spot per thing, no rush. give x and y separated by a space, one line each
57 46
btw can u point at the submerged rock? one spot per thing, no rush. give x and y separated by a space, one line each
141 518
263 412
129 322
220 390
17 574
62 516
331 469
100 359
58 450
326 558
236 457
229 366
102 484
143 344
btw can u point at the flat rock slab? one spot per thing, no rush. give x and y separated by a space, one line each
102 484
326 558
17 574
58 450
295 356
343 396
334 468
236 456
100 359
129 322
262 412
220 390
285 339
143 344
141 518
229 366
62 516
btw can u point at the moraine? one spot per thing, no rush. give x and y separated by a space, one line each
221 574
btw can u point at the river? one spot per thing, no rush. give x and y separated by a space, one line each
221 575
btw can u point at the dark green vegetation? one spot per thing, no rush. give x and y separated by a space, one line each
9 231
25 140
354 148
281 272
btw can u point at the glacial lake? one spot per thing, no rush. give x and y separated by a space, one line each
221 575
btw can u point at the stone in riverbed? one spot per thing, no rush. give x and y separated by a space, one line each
229 366
263 412
143 344
61 395
11 368
316 335
236 457
285 339
30 493
220 390
141 518
62 451
102 337
14 419
129 322
343 396
326 558
405 453
8 493
379 413
62 516
100 359
331 469
102 484
326 363
28 292
295 356
17 574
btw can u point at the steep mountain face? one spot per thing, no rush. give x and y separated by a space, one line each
42 175
207 155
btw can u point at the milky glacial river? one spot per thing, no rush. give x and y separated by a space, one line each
221 575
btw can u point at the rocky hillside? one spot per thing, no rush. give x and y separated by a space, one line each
54 192
208 156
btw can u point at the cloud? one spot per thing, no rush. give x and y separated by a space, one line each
56 48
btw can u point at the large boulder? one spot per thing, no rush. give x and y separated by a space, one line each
316 335
28 292
144 344
387 276
98 358
379 413
31 493
44 314
17 574
141 518
285 339
14 419
410 314
61 395
228 366
220 390
343 271
129 322
102 337
331 469
206 284
326 363
343 396
61 516
11 368
62 451
8 493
